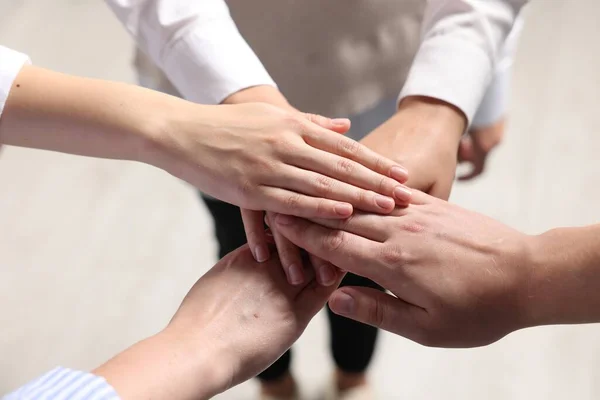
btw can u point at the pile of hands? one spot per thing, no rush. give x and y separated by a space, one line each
348 205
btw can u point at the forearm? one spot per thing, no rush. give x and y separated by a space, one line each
54 111
165 366
565 278
260 94
443 117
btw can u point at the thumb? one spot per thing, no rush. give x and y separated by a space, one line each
314 296
339 125
374 307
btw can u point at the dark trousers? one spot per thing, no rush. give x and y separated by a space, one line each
352 343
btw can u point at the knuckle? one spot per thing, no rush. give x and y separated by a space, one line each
334 240
392 255
292 202
413 226
247 187
295 123
364 197
380 164
383 185
315 118
323 185
378 314
345 167
348 147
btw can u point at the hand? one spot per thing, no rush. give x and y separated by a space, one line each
253 220
423 136
460 279
235 322
477 145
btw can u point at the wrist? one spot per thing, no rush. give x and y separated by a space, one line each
165 366
565 277
435 117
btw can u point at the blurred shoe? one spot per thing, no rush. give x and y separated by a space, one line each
362 392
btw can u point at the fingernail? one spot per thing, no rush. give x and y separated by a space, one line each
295 274
399 173
261 253
326 275
384 202
340 121
284 219
343 209
402 194
343 303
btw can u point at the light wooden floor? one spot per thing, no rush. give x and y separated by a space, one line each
95 255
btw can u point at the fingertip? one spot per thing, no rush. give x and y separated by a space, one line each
295 275
342 303
261 253
402 194
340 125
399 173
343 210
282 219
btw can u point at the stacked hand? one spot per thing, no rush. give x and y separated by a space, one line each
235 321
458 278
305 169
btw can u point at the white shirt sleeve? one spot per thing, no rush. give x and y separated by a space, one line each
196 44
11 63
461 43
495 101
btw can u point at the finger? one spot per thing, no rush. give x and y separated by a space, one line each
345 250
289 256
418 198
326 272
321 186
465 149
379 309
350 172
370 226
478 166
313 297
287 202
351 149
339 125
255 234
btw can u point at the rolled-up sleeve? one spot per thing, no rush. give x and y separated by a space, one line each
196 44
64 383
461 45
11 63
494 104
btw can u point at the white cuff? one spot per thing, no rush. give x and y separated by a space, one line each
11 63
495 102
209 64
455 71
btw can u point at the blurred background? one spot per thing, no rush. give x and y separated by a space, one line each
96 255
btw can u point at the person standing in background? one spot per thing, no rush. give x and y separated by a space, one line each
337 59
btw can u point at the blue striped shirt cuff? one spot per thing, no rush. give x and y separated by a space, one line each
63 383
